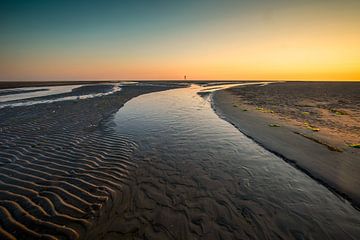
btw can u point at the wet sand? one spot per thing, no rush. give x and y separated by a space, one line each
161 166
310 125
62 172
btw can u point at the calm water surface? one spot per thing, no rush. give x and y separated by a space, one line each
16 98
13 94
269 196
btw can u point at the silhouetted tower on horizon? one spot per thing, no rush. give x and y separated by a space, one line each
184 77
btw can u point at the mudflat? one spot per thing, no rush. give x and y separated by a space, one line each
313 125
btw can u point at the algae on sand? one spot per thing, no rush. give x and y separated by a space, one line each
311 127
274 125
264 110
355 145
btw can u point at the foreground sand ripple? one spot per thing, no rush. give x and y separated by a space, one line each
61 173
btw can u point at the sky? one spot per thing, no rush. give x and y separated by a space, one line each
165 40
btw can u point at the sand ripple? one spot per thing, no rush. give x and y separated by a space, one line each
61 174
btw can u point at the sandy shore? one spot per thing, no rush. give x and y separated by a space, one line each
62 171
310 125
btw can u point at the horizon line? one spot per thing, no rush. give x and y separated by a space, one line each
187 80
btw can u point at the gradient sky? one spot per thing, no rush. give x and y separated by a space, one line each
158 39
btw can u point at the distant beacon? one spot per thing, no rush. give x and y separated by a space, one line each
184 77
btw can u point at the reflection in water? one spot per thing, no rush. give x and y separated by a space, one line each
200 177
32 92
209 88
26 96
34 95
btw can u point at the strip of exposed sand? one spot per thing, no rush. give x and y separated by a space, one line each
310 125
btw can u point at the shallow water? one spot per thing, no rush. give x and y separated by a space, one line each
225 185
32 92
33 95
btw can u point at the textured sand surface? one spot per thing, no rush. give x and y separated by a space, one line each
163 166
61 171
332 107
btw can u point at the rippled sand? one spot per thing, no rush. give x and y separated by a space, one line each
62 171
